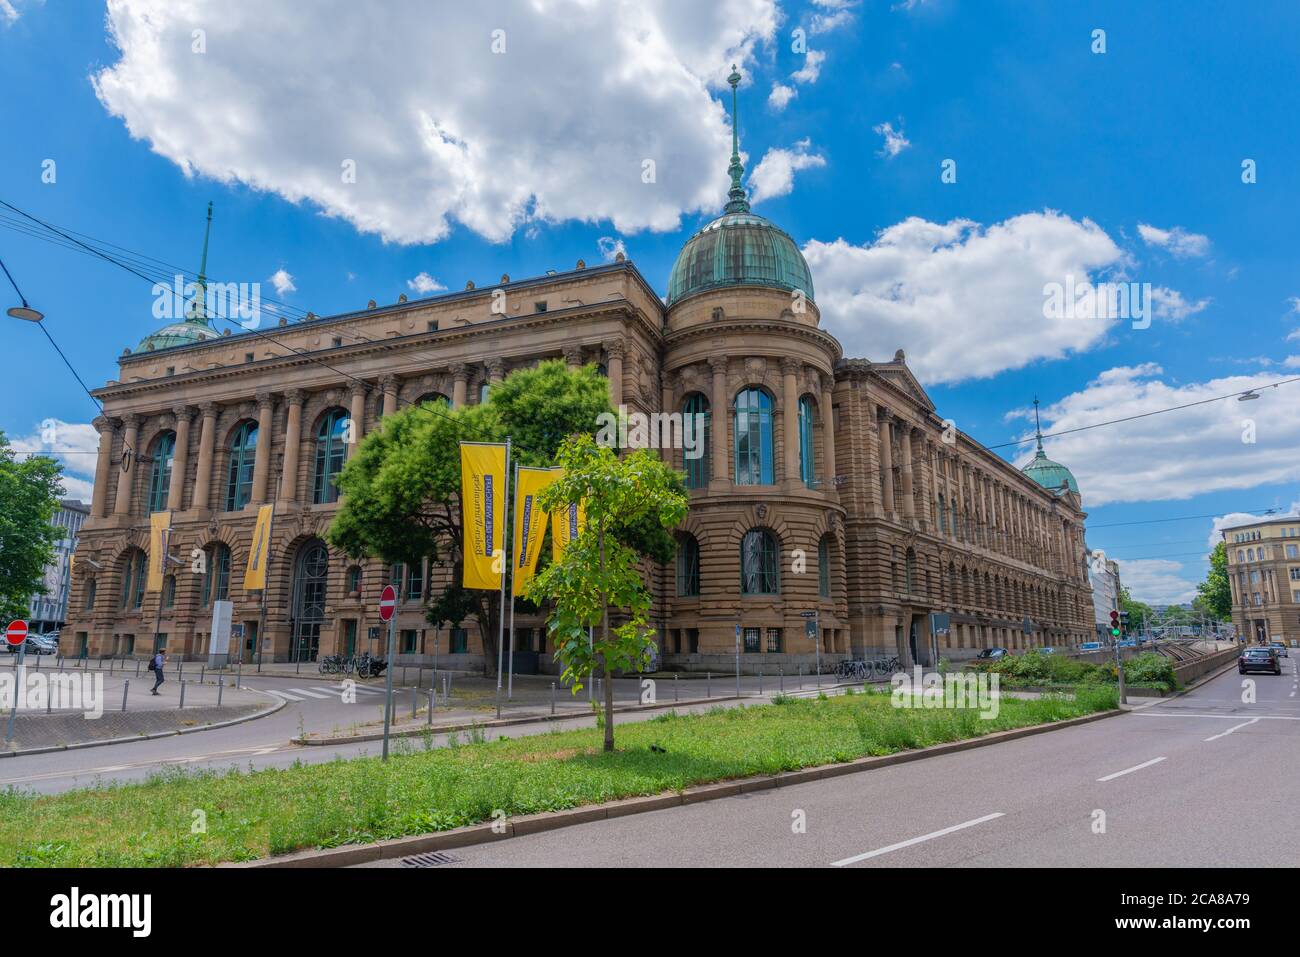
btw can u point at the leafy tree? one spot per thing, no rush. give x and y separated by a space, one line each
1215 594
600 569
401 490
29 499
1138 611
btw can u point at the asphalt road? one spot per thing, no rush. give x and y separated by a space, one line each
1203 780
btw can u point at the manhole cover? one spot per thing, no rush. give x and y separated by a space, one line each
433 859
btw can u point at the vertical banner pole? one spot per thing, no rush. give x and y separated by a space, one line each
510 680
261 615
501 616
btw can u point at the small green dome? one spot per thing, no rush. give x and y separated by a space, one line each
178 334
738 249
1050 475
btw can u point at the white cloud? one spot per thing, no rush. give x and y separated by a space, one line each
7 11
895 141
1174 455
75 444
610 247
964 301
442 131
424 284
781 96
282 281
774 174
811 69
1177 241
838 13
1170 304
1157 581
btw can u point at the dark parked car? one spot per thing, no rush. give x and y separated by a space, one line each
1259 659
991 654
1281 649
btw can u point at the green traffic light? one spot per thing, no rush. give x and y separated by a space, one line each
1114 632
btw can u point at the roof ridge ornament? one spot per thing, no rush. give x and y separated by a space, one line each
1038 431
736 199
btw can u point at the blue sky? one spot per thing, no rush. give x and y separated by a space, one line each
1123 165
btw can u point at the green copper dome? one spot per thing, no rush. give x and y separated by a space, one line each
736 249
1050 475
178 334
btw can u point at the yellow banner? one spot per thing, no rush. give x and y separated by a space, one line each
160 525
259 555
566 524
530 524
482 488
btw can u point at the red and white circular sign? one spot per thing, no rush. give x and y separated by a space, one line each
387 602
16 632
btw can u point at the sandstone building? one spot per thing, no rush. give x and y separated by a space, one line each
1264 572
829 485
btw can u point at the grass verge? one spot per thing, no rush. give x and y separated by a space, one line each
250 814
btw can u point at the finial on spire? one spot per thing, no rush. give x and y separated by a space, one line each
736 200
199 308
1038 429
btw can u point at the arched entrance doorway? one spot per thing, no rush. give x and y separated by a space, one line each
310 584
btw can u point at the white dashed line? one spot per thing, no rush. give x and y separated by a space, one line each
916 840
1235 727
1136 767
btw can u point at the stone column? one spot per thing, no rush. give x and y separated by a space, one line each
720 416
666 382
357 413
389 385
181 458
905 470
103 465
207 437
887 463
126 478
573 357
262 461
292 446
459 378
614 369
828 434
790 417
496 367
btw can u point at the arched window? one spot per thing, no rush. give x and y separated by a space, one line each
135 568
310 585
169 592
216 582
483 392
807 468
91 588
758 563
433 398
909 571
695 425
331 452
753 438
160 477
239 477
352 581
824 567
943 516
688 566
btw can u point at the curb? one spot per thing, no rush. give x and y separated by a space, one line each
553 820
77 746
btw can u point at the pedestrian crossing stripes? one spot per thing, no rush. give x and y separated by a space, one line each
335 691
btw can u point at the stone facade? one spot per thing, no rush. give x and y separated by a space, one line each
1264 572
878 516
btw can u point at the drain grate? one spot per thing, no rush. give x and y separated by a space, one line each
432 859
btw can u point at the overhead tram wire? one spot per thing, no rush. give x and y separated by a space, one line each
303 353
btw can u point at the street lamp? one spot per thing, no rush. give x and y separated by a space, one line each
25 312
1247 396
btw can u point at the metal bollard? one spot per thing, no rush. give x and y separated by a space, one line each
433 697
552 697
675 689
137 667
221 686
297 666
126 685
203 672
110 667
760 682
182 703
413 702
239 673
180 671
708 684
781 671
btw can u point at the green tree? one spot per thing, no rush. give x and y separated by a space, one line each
600 569
401 490
29 498
1138 611
1215 594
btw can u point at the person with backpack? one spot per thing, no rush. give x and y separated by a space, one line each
156 666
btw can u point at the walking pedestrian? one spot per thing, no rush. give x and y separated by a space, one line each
156 666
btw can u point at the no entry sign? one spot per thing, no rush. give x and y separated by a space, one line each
16 632
387 602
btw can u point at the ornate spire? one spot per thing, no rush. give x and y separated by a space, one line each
199 308
736 200
1038 431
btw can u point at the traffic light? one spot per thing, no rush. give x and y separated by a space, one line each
1114 624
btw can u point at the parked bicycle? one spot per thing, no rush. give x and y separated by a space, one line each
336 664
368 667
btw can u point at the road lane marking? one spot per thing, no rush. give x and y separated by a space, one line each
1175 714
1136 767
310 694
283 694
1224 734
916 840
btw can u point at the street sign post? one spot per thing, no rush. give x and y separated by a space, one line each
16 634
812 629
387 605
737 661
